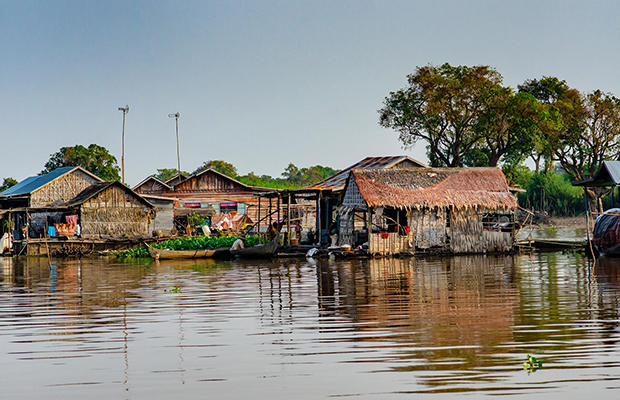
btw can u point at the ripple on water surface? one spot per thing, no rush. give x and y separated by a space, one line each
302 329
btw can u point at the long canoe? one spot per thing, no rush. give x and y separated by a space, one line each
163 254
258 251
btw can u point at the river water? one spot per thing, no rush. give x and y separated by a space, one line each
299 329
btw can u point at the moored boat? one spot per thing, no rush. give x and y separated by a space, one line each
258 251
165 254
606 235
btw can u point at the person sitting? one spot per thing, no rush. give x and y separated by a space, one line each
273 231
239 243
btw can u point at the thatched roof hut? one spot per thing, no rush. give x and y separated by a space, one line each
444 210
458 188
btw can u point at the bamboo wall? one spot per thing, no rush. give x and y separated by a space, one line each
391 243
64 188
468 234
114 213
429 227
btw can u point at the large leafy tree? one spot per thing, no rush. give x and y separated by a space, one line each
562 110
7 183
443 106
94 158
222 166
507 127
592 137
587 131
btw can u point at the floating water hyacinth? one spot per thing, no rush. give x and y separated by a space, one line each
532 364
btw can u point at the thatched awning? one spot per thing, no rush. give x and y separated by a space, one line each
461 188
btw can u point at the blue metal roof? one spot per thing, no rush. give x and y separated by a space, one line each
32 183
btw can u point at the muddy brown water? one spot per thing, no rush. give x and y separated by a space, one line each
298 329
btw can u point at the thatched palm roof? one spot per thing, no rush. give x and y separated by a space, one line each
461 188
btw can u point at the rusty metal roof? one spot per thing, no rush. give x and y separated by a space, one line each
337 181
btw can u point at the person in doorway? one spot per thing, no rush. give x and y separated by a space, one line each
298 230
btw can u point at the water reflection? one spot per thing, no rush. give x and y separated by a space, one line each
382 326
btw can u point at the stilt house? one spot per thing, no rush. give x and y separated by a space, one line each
432 210
34 201
110 209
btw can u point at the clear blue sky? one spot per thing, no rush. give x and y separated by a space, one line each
261 84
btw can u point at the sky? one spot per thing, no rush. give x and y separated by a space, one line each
262 84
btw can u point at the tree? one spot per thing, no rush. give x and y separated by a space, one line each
220 166
442 105
507 127
7 183
163 174
561 111
93 158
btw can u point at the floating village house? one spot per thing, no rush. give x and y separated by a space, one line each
206 193
317 204
69 196
431 210
35 199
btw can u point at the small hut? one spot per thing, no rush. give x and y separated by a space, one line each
432 210
111 209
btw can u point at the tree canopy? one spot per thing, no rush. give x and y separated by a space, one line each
94 158
292 177
443 106
7 183
468 118
163 174
222 166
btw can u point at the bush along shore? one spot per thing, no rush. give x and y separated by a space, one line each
187 243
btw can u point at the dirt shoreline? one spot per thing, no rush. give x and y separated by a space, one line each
568 222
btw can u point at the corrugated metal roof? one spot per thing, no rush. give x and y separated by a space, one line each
32 183
337 181
608 174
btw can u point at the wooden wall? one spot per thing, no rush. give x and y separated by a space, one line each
151 186
62 189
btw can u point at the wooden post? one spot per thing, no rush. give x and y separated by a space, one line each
288 218
318 216
278 209
258 219
270 214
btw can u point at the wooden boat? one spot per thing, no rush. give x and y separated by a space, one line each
164 254
258 251
606 235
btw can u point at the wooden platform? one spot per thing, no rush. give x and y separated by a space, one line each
75 246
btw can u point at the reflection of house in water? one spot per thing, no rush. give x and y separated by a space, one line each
466 304
437 210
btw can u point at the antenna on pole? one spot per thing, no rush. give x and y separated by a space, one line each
125 110
176 117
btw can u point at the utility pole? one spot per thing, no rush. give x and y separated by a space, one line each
176 117
125 110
